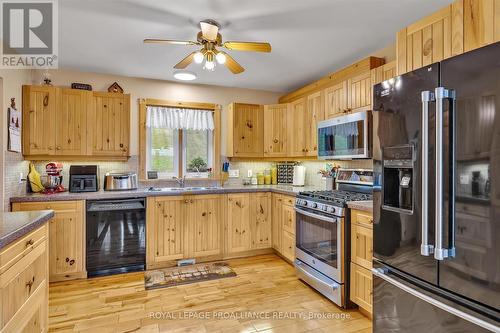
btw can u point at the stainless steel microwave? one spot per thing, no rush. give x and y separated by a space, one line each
345 137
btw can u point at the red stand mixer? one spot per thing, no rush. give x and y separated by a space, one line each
52 181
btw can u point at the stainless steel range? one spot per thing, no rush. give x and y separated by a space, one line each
322 254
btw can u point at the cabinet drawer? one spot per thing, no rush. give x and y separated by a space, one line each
473 229
362 217
21 248
477 210
361 287
288 242
18 284
289 201
362 246
47 205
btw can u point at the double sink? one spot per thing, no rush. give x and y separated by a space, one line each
182 189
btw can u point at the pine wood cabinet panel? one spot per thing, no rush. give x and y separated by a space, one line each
481 23
276 130
260 219
67 237
204 223
110 131
359 93
362 218
39 114
245 130
288 218
71 121
361 287
165 230
238 223
277 229
383 73
335 100
361 246
24 286
431 39
314 113
297 127
288 246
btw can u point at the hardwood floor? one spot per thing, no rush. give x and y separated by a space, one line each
265 288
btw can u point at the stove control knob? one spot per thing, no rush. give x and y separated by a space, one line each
331 210
324 208
304 203
314 205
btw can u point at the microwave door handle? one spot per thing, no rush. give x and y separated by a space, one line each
441 253
426 249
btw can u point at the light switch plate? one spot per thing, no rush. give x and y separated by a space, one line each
234 173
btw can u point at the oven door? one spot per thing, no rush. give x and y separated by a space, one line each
345 137
318 242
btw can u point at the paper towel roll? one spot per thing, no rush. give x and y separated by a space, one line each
299 175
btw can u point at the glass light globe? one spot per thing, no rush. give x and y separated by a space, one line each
221 58
210 65
198 57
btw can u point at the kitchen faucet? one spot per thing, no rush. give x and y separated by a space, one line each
180 181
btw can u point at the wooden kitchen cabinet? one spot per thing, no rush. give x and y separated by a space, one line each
283 230
66 237
384 72
359 94
277 228
361 259
288 250
335 100
314 113
245 130
204 225
39 120
297 127
276 137
260 220
165 230
481 23
24 284
431 39
109 134
239 236
288 218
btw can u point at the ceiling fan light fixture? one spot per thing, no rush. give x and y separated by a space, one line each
221 58
198 57
209 65
184 75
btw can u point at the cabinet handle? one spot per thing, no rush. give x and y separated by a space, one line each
72 262
186 201
191 201
58 148
275 140
30 242
121 145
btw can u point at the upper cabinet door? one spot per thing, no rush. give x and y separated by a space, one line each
71 122
359 96
481 23
246 130
335 100
432 39
314 113
110 131
39 109
383 73
297 127
275 130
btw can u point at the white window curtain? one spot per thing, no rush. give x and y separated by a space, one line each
179 118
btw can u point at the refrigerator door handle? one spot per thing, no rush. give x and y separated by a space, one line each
426 249
441 253
383 274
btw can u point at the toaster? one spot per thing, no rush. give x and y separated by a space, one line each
120 181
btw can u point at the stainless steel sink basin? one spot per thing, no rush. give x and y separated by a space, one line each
180 189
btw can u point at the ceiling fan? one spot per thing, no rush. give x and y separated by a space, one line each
210 39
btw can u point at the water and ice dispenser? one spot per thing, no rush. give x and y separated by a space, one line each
398 178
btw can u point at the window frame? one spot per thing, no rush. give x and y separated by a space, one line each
181 164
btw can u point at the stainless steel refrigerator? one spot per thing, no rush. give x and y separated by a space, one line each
436 151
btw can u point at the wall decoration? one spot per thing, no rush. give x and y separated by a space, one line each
81 86
14 127
115 88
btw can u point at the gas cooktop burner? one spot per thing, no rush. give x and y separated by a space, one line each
339 197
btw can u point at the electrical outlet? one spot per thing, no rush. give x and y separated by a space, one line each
234 173
464 179
21 178
249 173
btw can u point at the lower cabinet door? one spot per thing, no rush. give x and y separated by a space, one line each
288 246
165 230
260 220
361 287
238 223
361 245
277 228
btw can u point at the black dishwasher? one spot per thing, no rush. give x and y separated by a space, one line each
115 236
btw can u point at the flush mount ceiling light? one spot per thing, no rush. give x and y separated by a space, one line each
184 75
210 40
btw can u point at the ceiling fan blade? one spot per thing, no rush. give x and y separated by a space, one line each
169 41
209 31
232 65
186 61
248 46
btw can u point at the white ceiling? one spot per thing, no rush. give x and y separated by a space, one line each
310 38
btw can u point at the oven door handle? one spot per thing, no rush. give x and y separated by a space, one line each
330 219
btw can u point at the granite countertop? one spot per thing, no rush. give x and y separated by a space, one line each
143 192
17 224
366 205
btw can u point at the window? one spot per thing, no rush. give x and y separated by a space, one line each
179 142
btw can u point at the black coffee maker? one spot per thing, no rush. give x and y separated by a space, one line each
83 178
